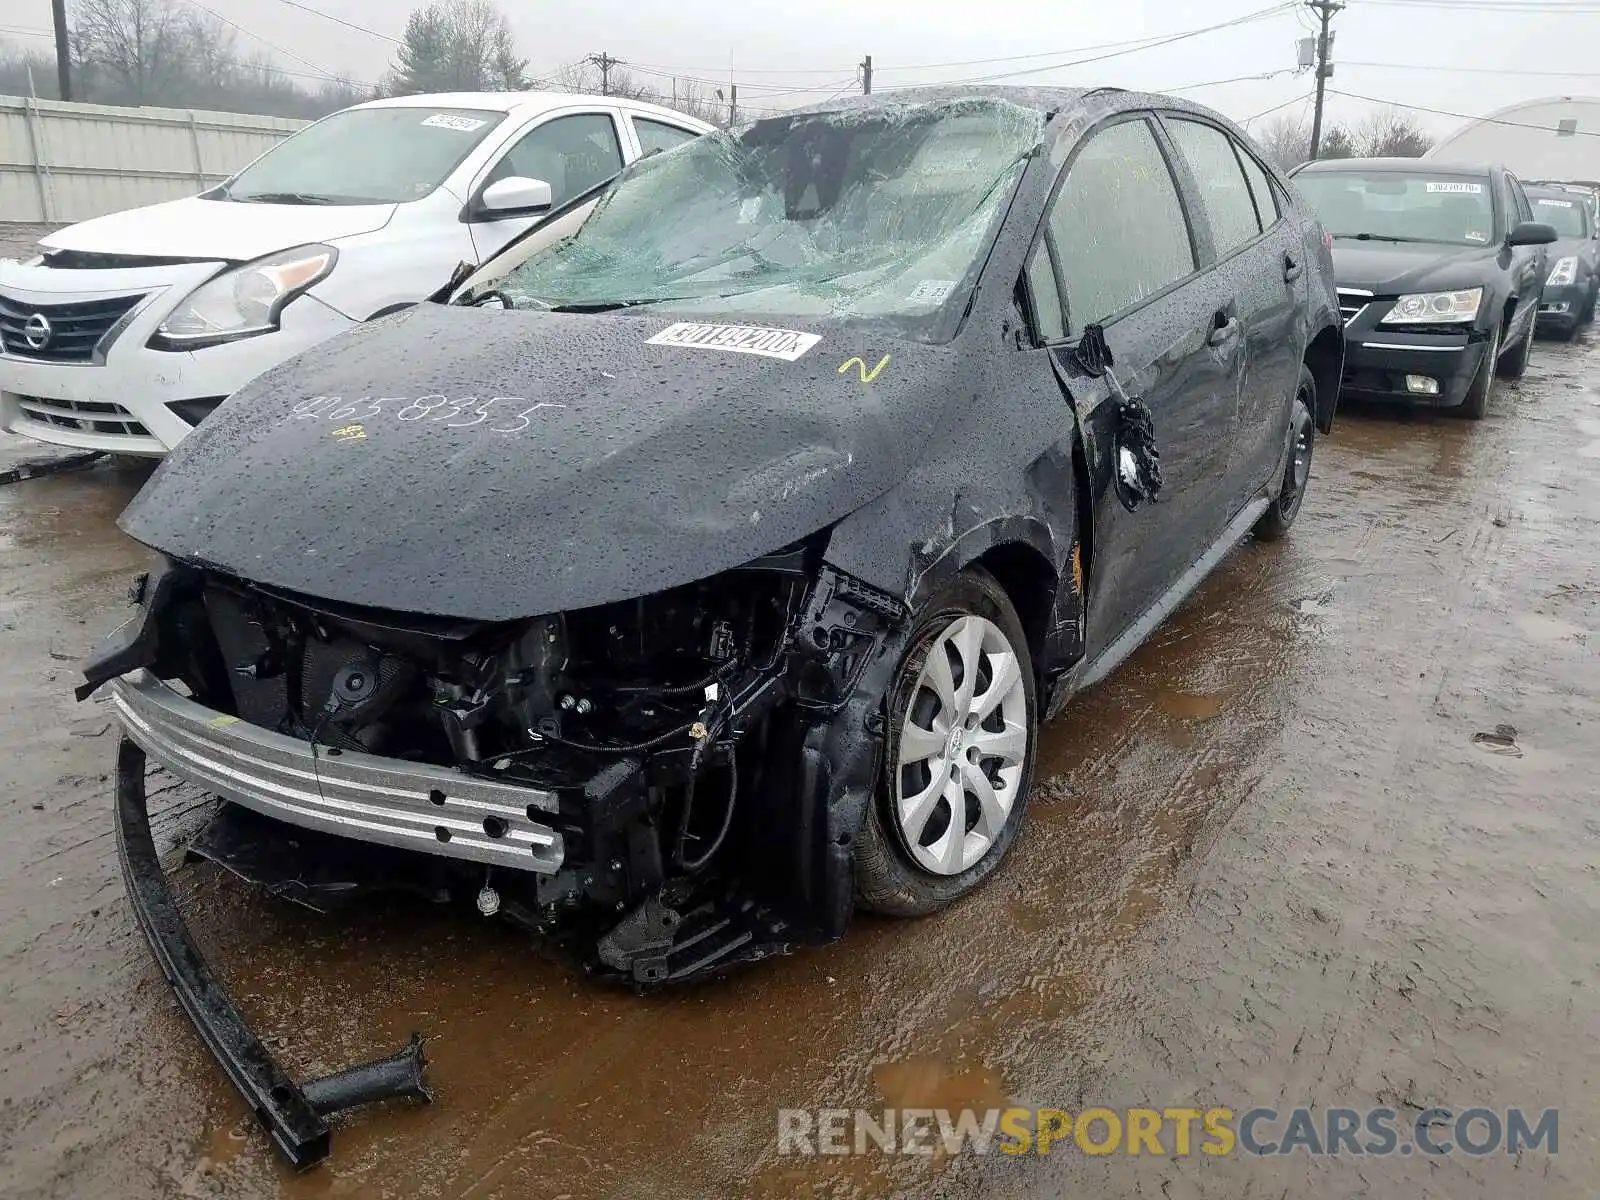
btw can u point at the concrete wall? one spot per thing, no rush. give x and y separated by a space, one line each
68 162
1528 138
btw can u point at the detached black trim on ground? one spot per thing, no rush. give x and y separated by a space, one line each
294 1116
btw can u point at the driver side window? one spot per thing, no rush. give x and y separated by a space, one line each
1118 227
572 154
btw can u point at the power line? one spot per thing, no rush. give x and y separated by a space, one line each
1194 87
257 37
1471 70
1441 112
1579 7
1266 112
1165 40
315 12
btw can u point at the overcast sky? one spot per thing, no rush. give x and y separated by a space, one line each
1490 57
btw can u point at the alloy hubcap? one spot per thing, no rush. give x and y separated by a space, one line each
963 741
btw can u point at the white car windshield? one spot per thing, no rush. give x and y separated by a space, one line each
884 213
364 156
1390 206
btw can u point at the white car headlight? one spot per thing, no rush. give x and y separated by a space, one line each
1566 271
1435 308
244 301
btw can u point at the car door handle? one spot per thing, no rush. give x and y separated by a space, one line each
1223 333
1291 269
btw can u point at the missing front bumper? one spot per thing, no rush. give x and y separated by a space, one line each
294 1115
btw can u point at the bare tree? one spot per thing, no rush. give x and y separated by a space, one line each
1285 140
130 49
1390 133
454 46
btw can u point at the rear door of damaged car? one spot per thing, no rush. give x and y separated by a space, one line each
1119 248
1260 259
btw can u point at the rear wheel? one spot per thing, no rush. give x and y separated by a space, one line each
1513 364
1477 400
1275 522
1586 317
958 757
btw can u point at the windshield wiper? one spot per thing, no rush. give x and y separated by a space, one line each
1382 237
287 198
612 305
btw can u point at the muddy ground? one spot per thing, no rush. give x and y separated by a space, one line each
1266 864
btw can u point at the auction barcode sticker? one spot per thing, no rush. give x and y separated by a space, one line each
450 121
1456 189
787 344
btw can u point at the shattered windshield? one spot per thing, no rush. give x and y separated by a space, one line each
883 214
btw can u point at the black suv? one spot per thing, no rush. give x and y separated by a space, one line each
1440 270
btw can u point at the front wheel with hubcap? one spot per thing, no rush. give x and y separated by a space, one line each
1285 507
958 753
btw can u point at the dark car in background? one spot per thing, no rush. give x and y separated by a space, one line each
1440 270
1574 279
709 574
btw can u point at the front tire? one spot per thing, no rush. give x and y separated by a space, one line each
961 735
1285 507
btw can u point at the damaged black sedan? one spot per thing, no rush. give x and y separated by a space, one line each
689 582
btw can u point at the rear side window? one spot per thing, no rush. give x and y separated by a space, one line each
571 154
1520 198
1261 187
658 135
1119 228
1223 188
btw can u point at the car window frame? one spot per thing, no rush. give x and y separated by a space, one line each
635 117
1519 197
1199 248
1279 207
1263 230
473 212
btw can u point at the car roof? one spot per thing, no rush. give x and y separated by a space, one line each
1551 192
1414 166
528 103
1042 99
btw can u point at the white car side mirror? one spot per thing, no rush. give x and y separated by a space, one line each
516 194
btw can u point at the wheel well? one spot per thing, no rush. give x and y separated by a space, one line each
1030 582
1325 359
1505 324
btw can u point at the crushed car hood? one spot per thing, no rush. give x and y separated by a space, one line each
1395 268
500 464
219 229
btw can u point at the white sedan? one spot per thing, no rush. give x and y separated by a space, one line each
130 328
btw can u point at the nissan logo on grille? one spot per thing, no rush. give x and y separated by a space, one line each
37 331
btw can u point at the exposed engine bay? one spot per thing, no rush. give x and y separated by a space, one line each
659 736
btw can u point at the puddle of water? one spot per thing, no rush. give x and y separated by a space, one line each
1188 706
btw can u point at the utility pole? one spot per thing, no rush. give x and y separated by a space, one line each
1325 10
733 105
605 62
866 76
58 9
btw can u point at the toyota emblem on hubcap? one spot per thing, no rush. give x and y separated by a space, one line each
37 331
